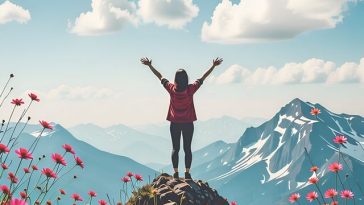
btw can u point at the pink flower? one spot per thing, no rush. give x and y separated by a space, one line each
46 125
4 149
125 179
17 202
23 195
129 174
57 158
313 180
330 193
346 194
62 192
68 148
23 153
34 167
138 177
4 166
49 173
340 139
334 203
79 162
33 97
102 202
76 197
92 193
335 167
294 197
5 189
17 102
311 196
12 178
26 170
315 111
233 203
314 169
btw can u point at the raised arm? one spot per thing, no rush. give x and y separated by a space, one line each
215 63
148 63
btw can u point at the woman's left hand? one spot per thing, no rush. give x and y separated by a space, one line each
217 62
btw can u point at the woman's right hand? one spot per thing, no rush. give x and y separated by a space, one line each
146 61
217 62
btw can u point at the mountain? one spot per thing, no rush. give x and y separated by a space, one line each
125 141
269 162
102 172
224 128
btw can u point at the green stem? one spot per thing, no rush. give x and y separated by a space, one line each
7 124
322 196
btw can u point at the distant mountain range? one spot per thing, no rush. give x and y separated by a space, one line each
268 162
225 128
102 172
123 140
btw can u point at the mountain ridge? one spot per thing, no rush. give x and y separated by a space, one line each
276 150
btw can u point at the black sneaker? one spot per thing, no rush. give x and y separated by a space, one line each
187 175
175 175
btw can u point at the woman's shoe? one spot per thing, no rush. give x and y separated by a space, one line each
175 175
187 175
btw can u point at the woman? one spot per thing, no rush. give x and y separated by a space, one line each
181 112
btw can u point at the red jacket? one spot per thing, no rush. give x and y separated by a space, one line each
181 107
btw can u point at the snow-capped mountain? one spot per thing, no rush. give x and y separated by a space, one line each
102 172
269 162
125 141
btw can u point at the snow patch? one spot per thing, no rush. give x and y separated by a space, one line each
301 185
289 184
262 180
280 181
294 131
249 158
280 130
37 133
280 173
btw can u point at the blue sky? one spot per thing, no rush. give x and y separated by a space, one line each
98 78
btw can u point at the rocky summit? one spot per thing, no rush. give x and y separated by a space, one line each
169 191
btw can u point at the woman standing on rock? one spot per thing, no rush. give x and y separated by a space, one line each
181 112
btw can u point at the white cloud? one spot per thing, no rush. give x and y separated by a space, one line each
267 20
107 16
12 12
81 93
312 71
172 13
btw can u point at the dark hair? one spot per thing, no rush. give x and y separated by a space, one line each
181 80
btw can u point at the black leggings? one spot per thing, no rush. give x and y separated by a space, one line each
187 132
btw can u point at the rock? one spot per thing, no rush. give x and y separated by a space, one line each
165 190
